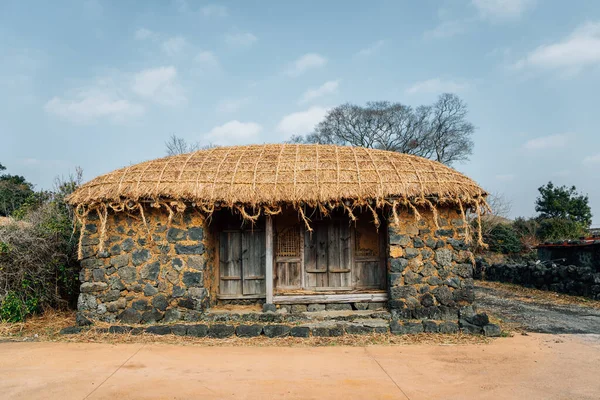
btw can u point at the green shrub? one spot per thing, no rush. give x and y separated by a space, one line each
11 308
503 239
555 229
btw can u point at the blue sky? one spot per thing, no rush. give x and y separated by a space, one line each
102 84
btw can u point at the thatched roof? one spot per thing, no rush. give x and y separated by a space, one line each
276 173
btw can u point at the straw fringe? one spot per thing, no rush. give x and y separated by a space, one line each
265 178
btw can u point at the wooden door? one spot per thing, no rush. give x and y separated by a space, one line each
369 261
328 256
242 264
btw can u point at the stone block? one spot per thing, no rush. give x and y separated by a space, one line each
492 330
376 306
405 327
358 329
176 235
328 331
398 265
466 327
221 331
443 257
192 278
179 330
138 257
267 307
248 330
130 316
160 302
119 329
172 314
443 295
150 290
315 307
480 319
411 252
400 240
197 330
298 308
276 330
90 287
158 330
196 262
189 249
448 327
152 316
196 233
127 274
430 326
300 331
150 271
338 306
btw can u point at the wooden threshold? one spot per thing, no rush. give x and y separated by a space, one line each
239 297
330 298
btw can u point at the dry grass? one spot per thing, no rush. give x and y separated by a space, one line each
48 326
539 296
283 173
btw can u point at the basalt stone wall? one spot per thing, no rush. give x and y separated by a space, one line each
569 279
147 272
430 267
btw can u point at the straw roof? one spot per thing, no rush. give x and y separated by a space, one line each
277 173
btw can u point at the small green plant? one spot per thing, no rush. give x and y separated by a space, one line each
11 308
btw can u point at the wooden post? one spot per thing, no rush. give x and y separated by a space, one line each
269 259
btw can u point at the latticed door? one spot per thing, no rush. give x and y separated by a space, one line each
242 264
288 258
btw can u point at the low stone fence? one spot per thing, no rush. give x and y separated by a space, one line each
568 279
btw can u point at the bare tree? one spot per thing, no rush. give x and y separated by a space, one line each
439 131
178 145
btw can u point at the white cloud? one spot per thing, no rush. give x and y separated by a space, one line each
592 160
437 85
371 49
505 177
207 60
328 87
547 142
174 45
102 100
159 85
305 63
214 10
580 49
302 122
234 132
245 39
143 34
446 29
503 9
232 105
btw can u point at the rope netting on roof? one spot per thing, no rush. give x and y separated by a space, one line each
261 178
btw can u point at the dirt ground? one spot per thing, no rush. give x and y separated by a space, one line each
537 366
538 311
561 363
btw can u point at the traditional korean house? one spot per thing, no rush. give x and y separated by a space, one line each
280 224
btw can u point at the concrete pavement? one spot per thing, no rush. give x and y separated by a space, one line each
534 367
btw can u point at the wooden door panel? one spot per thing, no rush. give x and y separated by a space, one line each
230 263
288 274
253 262
368 274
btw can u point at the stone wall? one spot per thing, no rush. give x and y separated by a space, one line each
147 273
430 267
569 279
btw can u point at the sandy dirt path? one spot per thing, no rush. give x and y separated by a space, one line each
536 366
